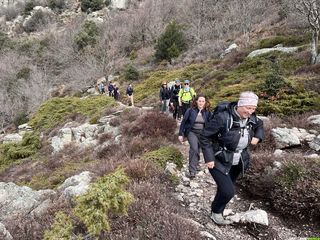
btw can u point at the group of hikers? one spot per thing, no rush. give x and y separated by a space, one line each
176 99
111 89
224 136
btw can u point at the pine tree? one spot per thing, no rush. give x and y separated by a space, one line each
171 43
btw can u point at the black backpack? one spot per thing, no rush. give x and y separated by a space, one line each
223 107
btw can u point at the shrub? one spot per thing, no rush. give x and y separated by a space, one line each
61 229
91 5
36 21
152 125
285 187
171 43
20 118
23 73
27 147
164 155
131 73
105 196
87 36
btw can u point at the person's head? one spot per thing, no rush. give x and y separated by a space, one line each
201 102
177 82
164 84
247 104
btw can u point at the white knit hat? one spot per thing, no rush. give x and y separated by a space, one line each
248 99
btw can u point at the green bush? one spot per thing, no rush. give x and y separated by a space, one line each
20 118
131 73
87 36
164 155
61 228
171 43
11 152
4 41
56 110
92 5
37 20
105 196
23 73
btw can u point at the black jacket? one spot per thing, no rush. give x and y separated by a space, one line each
164 93
189 118
219 141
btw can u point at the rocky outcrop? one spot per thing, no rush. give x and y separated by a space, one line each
86 135
315 119
267 50
315 143
16 201
231 48
23 128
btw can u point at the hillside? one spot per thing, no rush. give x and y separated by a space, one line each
78 165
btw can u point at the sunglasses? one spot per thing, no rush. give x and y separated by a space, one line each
186 83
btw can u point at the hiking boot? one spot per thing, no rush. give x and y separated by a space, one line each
219 219
192 175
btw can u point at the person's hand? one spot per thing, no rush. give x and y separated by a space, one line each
254 141
180 139
210 164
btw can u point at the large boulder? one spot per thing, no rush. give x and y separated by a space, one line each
19 201
64 137
231 48
284 138
259 52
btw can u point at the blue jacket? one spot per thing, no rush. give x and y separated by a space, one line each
189 119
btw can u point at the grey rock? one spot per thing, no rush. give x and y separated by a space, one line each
315 119
252 216
12 138
278 152
284 137
119 4
267 50
171 168
76 185
315 144
16 200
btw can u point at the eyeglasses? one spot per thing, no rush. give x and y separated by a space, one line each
186 83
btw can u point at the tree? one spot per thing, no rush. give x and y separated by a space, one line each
309 10
171 43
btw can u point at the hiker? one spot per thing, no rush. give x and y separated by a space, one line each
164 97
101 88
116 93
174 100
186 94
225 141
110 89
130 94
191 126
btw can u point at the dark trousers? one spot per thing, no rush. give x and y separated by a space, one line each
176 111
194 151
225 184
185 106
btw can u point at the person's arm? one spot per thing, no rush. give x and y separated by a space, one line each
258 132
211 129
183 124
179 97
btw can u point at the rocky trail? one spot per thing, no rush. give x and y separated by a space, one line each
196 196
